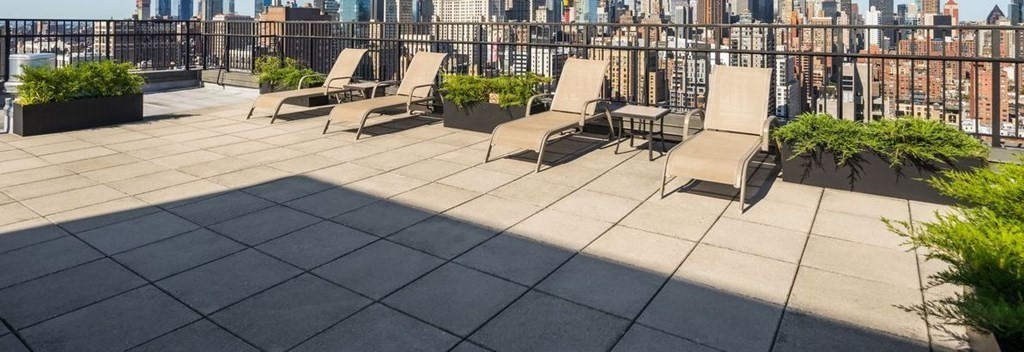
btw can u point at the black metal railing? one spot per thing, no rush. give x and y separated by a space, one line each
964 75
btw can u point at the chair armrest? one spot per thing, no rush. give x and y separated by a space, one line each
327 84
414 89
303 79
686 121
583 111
766 133
373 91
529 102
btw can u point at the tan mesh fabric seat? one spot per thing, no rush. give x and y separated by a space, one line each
736 126
335 82
575 101
417 87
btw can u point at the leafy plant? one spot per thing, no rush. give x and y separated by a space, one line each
983 243
466 90
284 74
80 81
896 139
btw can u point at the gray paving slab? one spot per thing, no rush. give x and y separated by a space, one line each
44 258
469 347
379 328
112 325
541 322
161 259
221 208
218 284
317 244
23 237
443 236
10 343
264 225
133 233
640 338
383 218
515 258
803 332
332 202
712 317
289 188
199 336
604 285
290 313
455 298
378 269
52 295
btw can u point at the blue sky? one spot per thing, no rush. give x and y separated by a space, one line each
103 9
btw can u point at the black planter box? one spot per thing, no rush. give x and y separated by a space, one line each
309 102
868 172
73 115
483 117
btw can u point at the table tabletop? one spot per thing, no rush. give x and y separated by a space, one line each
640 112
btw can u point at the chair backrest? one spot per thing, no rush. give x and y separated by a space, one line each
345 66
580 81
738 99
422 70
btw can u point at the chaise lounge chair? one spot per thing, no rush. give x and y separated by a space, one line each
335 82
417 87
736 124
575 101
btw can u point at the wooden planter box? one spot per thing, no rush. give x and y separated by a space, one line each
483 117
309 102
870 173
73 115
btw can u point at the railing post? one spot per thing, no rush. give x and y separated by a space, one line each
188 45
205 37
996 90
5 51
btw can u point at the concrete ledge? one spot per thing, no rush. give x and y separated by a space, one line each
237 79
168 80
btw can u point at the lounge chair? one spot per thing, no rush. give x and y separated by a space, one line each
575 101
417 86
736 124
335 82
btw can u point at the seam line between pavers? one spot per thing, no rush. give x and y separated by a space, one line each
796 275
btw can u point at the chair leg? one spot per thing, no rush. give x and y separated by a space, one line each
327 125
743 192
540 157
250 112
664 178
487 158
362 122
276 111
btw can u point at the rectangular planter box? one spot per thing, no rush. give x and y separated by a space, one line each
870 173
309 102
483 117
73 115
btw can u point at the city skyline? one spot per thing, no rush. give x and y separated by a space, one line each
970 10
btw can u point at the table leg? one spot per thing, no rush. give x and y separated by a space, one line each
632 130
618 141
661 131
650 142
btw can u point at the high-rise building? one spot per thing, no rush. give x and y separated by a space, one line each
231 6
210 8
163 8
995 16
886 17
354 10
651 8
1016 10
953 10
933 7
710 12
329 8
185 9
260 5
142 9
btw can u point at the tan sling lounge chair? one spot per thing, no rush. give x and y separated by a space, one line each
335 82
575 101
417 87
736 124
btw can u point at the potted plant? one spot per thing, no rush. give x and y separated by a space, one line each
275 74
481 104
982 241
80 96
891 157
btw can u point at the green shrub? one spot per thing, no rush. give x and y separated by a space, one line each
80 81
983 242
466 90
896 139
284 74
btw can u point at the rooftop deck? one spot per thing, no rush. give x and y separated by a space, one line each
200 230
